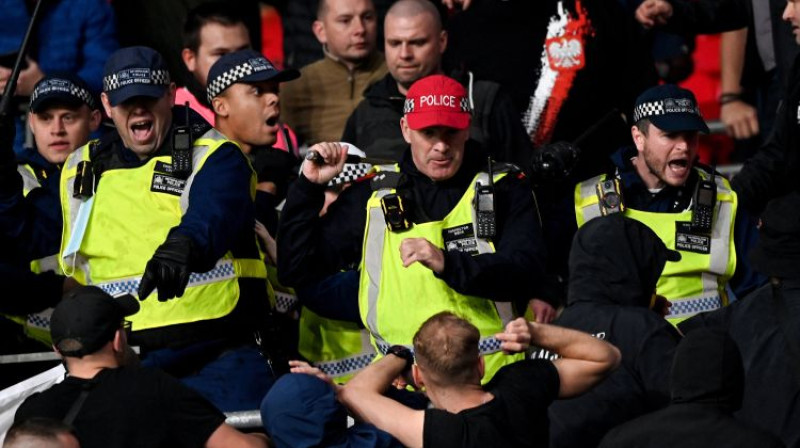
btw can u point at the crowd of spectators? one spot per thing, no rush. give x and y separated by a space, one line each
453 223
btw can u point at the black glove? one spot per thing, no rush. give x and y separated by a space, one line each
169 269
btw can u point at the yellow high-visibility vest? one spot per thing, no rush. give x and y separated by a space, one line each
697 282
108 239
394 301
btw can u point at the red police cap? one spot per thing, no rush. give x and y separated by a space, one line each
437 100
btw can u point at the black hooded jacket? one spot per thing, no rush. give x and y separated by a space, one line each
614 265
707 383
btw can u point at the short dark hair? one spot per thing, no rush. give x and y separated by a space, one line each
39 427
224 13
322 9
643 126
446 348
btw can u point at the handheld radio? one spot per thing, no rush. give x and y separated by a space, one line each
705 198
182 148
484 207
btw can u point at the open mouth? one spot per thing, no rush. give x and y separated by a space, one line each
272 121
678 167
142 130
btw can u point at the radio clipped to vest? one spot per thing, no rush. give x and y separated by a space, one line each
394 213
182 148
609 195
484 208
705 199
84 181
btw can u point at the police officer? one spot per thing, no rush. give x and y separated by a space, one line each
659 183
443 249
165 204
63 112
244 93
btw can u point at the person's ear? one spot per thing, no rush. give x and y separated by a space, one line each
118 344
481 366
417 376
220 106
106 104
405 130
319 32
442 41
189 59
638 138
94 119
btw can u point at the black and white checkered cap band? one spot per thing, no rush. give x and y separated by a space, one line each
350 173
64 86
410 104
663 107
131 76
226 79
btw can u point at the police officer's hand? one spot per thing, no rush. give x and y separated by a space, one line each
168 270
321 171
420 250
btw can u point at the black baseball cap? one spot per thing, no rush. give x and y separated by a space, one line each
61 88
670 108
244 66
135 71
86 319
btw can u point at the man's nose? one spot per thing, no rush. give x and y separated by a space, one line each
405 51
359 26
272 99
440 145
57 127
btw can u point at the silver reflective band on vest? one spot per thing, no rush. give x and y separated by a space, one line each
80 210
689 307
29 180
40 320
486 346
49 263
349 365
197 155
223 271
373 260
284 302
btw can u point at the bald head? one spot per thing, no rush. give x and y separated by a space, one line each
414 42
412 8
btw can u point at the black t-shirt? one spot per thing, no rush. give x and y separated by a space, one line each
129 407
516 417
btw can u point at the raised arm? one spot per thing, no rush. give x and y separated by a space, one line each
363 396
583 360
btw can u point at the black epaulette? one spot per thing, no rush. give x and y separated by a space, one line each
387 179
